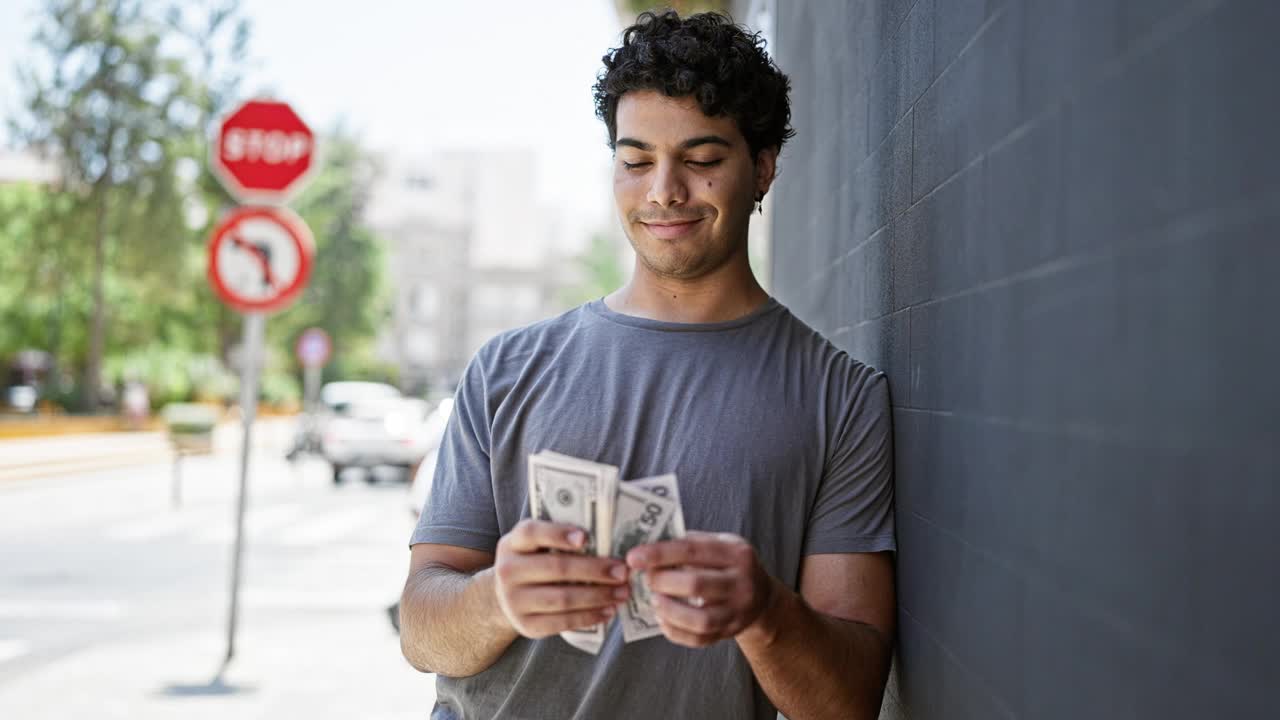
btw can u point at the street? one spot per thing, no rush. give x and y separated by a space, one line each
114 602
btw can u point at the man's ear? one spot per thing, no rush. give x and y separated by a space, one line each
766 169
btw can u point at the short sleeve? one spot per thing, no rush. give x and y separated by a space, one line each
460 510
853 511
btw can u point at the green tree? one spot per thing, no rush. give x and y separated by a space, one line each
105 101
217 36
37 269
347 295
106 269
600 271
115 251
629 9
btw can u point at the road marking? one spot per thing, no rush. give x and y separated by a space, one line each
54 610
12 650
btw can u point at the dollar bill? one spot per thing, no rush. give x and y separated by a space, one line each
616 517
665 486
640 518
576 492
638 618
605 478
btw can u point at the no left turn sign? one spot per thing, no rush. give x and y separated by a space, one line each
260 258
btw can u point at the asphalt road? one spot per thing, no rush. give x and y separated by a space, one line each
114 602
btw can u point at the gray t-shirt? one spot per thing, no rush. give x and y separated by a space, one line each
774 434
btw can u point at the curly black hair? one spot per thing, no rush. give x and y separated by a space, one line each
706 56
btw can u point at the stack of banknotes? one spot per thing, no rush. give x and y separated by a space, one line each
616 516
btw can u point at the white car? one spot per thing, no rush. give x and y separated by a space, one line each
337 395
371 433
335 399
420 489
22 398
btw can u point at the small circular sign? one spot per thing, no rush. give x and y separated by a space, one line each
314 347
260 258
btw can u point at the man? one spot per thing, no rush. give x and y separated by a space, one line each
781 443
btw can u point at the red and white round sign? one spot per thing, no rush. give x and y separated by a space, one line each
261 150
313 347
260 258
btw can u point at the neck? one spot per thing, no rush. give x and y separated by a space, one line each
726 293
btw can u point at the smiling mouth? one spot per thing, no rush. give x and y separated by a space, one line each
669 231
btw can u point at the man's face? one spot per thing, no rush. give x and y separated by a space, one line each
684 183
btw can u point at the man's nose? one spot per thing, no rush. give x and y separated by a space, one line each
668 186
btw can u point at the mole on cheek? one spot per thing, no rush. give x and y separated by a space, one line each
708 183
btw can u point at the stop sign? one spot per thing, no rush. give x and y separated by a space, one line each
261 150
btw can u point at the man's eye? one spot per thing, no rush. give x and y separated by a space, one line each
635 165
704 163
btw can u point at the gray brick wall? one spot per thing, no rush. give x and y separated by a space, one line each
1056 225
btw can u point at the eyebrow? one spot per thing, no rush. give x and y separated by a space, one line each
687 144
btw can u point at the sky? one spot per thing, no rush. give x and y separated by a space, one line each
415 76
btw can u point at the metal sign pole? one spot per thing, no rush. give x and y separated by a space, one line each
176 494
311 393
274 240
311 380
254 327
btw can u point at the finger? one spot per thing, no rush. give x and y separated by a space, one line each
702 550
712 620
542 599
545 625
534 535
711 585
683 637
559 568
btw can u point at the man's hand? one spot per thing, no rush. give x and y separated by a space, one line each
533 585
706 587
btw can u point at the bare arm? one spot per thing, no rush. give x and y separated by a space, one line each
462 608
822 653
825 652
449 616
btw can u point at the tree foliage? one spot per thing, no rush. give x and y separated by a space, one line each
600 271
347 295
105 269
629 9
105 101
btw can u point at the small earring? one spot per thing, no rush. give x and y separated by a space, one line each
760 203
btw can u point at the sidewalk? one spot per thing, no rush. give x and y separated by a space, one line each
300 669
33 457
99 625
25 458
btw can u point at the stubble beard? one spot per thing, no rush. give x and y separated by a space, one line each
674 263
688 259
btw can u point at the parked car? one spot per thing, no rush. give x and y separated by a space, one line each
372 433
336 395
425 472
335 398
22 398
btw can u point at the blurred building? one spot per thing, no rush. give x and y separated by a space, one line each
23 166
470 254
